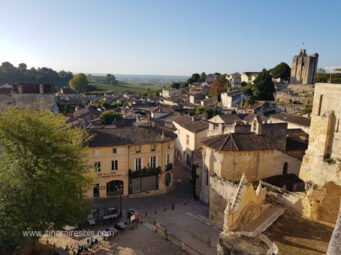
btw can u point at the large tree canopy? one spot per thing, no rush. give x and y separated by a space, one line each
79 83
282 71
217 87
11 74
194 78
42 174
263 87
109 116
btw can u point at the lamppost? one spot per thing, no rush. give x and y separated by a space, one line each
121 190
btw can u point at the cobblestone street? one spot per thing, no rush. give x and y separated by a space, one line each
187 220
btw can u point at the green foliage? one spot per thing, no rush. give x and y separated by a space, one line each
11 74
109 116
79 83
326 77
217 87
203 77
42 174
282 71
263 87
208 111
111 79
194 78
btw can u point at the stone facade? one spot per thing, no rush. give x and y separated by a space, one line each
303 70
321 166
114 164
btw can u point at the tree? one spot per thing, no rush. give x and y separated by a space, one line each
42 174
194 78
79 82
203 77
111 79
22 66
263 87
282 71
217 87
109 116
208 111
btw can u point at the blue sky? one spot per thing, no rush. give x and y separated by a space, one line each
176 37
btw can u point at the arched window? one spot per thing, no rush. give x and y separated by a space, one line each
114 188
285 168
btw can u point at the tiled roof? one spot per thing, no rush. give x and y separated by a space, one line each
188 123
292 118
103 137
229 118
241 142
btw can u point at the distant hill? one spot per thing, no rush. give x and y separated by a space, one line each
147 79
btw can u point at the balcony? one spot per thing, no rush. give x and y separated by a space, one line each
144 172
169 167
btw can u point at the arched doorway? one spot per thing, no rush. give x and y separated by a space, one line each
114 188
285 168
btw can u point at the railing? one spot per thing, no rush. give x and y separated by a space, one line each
169 166
144 172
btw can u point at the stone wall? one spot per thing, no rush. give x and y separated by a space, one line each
220 192
321 165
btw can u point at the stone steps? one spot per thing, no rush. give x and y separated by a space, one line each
265 220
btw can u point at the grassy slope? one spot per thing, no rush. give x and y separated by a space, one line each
121 87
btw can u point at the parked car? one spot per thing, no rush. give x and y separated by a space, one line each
121 225
110 213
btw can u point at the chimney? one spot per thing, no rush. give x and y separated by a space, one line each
41 88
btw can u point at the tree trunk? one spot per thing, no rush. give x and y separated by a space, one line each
334 247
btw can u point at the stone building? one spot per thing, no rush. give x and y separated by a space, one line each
131 160
190 132
258 153
303 70
321 166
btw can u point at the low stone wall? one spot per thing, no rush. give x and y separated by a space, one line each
220 192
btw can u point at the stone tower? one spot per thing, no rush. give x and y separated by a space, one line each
321 165
303 70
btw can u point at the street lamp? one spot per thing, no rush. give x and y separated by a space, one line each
120 190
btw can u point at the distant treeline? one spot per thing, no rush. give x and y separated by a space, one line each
325 77
11 74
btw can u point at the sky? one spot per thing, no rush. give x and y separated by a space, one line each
167 37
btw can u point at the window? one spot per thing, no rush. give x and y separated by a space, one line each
97 166
138 164
337 125
114 150
114 165
138 148
320 105
285 168
168 159
187 139
153 161
152 147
